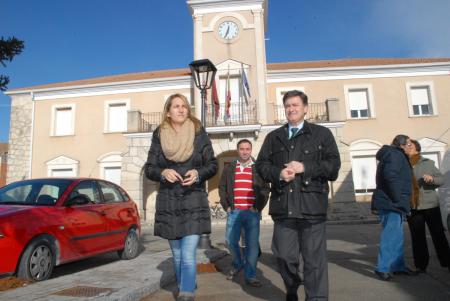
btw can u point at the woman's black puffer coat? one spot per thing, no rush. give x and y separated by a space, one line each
182 210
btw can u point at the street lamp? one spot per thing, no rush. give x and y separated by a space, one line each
203 72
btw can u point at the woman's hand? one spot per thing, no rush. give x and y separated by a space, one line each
428 179
171 175
190 177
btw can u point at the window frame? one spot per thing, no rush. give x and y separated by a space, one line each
106 114
370 101
279 93
431 93
53 126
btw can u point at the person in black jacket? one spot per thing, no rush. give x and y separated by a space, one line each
243 195
299 159
391 201
181 159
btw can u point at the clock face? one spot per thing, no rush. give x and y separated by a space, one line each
228 30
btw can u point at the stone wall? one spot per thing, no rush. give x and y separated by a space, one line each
20 136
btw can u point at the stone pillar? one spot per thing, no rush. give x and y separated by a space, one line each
134 121
343 205
333 110
20 138
260 66
198 54
133 180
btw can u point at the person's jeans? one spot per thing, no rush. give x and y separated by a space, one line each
391 257
249 221
184 253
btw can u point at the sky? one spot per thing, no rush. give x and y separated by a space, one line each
72 40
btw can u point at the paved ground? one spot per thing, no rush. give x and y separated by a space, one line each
352 253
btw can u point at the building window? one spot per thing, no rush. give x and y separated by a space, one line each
61 172
421 100
364 169
112 174
63 120
62 167
116 116
359 102
111 167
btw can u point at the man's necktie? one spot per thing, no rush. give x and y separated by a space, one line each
293 131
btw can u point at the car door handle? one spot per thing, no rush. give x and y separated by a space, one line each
103 213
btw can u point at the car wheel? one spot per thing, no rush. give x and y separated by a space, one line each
131 247
37 261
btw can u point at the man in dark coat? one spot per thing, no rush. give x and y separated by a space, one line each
391 201
299 159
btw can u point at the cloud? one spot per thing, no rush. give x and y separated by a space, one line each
421 26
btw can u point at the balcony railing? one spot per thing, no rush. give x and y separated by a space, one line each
317 112
237 114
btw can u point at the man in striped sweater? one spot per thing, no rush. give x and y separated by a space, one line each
243 195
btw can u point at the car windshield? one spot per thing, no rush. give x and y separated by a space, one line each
44 192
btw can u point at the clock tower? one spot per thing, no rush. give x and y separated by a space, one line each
231 34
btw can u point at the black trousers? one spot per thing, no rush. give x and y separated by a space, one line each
295 237
416 222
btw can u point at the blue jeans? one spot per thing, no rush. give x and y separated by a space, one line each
249 221
391 257
184 253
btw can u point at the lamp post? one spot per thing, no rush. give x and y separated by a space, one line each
203 72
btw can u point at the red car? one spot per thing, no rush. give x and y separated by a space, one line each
48 222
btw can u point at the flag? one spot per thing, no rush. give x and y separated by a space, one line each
228 97
215 100
246 89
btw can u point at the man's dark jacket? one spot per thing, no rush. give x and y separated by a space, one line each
226 188
394 180
307 195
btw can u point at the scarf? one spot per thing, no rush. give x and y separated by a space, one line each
415 185
178 146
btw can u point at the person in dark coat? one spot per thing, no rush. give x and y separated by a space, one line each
299 159
426 210
391 201
181 159
243 195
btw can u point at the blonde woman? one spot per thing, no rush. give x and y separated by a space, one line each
181 158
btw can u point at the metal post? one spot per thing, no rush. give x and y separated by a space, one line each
203 94
205 240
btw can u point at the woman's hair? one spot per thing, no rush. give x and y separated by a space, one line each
166 119
416 145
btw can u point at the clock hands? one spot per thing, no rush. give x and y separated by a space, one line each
228 30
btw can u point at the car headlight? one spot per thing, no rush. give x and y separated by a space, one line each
1 235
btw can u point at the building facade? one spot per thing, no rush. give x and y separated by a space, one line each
102 127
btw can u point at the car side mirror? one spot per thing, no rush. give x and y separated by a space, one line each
78 200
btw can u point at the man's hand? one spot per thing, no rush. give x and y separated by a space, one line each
287 174
190 177
298 167
171 175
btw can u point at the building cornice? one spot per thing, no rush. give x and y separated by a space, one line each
200 7
159 84
352 72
